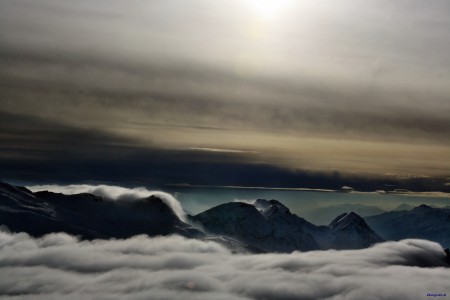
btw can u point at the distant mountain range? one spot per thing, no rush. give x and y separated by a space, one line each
263 226
406 206
425 222
403 206
324 215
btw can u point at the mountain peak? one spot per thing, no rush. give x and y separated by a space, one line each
231 210
403 206
422 208
270 208
263 203
154 199
351 231
345 219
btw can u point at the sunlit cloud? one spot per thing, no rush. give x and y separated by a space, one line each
268 9
219 150
298 84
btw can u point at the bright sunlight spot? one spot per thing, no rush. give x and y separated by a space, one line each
268 9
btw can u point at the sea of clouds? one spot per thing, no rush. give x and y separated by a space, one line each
60 266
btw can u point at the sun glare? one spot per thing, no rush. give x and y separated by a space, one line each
268 9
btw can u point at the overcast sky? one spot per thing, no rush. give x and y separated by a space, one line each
358 87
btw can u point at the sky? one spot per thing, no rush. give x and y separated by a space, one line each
253 93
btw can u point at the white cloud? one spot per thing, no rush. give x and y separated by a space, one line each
251 202
114 193
220 150
59 266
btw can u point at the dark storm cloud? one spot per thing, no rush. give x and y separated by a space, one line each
31 147
34 150
59 266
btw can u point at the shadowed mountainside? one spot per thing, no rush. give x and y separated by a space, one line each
87 215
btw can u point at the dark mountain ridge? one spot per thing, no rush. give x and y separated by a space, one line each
87 215
271 226
264 226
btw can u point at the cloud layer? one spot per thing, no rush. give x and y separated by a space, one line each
59 266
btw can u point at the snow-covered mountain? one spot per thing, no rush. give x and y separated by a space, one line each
264 226
87 215
269 225
423 221
264 230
